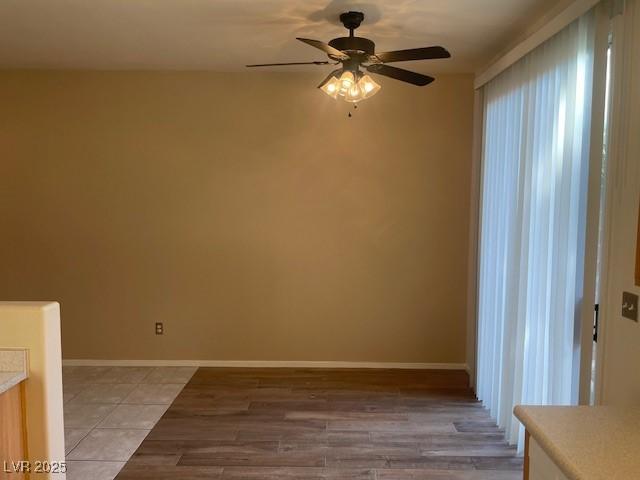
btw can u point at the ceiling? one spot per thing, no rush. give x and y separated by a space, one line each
224 35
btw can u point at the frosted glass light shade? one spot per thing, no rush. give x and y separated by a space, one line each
347 80
332 87
351 87
368 87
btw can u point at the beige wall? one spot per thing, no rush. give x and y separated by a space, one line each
621 337
620 346
245 211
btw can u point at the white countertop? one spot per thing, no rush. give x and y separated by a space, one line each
587 443
8 380
13 368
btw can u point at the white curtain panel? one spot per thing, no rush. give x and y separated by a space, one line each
535 169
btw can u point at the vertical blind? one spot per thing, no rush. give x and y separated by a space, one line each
534 189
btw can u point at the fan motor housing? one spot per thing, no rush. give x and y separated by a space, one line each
354 44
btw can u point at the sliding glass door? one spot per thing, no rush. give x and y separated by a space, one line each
535 178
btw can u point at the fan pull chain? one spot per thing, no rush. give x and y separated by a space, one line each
355 107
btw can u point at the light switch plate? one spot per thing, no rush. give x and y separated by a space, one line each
630 306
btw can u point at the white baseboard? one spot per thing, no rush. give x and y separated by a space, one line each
262 364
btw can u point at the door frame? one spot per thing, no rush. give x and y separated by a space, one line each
594 203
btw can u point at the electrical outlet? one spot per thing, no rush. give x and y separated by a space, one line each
630 306
159 328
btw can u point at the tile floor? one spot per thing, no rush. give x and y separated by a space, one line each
108 411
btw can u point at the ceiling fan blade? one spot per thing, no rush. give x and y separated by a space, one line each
400 74
287 64
427 53
329 77
326 48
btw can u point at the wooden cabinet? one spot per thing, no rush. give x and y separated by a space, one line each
12 432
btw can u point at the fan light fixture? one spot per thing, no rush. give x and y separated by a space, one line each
350 90
354 54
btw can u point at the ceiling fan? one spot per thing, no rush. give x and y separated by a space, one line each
356 53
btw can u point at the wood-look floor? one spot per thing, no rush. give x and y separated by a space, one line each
325 424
